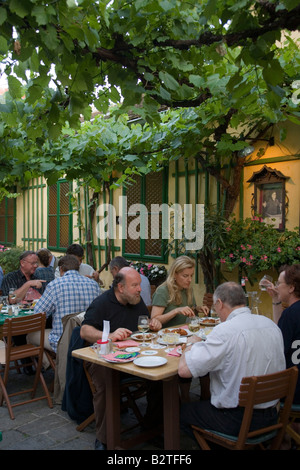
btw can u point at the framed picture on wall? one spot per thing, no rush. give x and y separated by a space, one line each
269 200
271 204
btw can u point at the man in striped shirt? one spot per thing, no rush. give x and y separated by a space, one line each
70 293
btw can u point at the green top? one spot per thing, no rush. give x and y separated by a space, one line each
161 298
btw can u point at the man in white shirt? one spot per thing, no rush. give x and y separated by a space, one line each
242 345
84 269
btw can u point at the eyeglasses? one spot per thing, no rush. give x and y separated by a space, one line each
31 262
278 283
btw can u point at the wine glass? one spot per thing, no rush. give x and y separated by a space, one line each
143 327
155 345
266 281
172 340
12 294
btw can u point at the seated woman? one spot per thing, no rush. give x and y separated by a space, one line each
173 300
44 270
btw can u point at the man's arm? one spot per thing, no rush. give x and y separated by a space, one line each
92 334
183 370
21 291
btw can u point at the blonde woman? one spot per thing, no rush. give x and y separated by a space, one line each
173 300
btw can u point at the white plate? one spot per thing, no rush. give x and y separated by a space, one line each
150 361
119 362
149 353
139 336
132 349
116 361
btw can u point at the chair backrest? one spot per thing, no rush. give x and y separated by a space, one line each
17 326
264 389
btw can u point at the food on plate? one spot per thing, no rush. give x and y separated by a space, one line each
179 331
146 336
210 321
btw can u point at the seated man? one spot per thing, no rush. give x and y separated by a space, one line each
241 345
84 269
23 280
121 306
67 294
27 288
118 263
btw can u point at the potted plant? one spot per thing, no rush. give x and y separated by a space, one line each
154 272
252 246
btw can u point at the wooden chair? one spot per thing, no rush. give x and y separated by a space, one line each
51 356
17 326
253 391
294 415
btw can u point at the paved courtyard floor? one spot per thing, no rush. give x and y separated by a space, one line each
38 427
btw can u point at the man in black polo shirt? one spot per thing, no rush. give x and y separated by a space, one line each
25 284
121 306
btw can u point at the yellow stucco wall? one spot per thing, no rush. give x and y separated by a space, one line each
283 156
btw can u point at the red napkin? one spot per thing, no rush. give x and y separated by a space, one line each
127 343
175 351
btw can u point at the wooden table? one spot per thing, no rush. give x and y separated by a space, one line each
167 373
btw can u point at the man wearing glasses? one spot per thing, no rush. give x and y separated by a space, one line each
27 288
23 280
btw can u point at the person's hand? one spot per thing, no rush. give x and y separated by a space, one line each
187 311
194 339
120 334
37 283
204 309
155 324
273 292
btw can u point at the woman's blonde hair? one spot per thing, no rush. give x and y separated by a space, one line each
181 263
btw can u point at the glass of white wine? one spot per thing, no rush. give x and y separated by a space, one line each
266 281
171 339
194 324
12 294
143 327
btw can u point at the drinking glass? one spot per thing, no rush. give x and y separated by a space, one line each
172 340
155 345
143 327
194 324
12 294
266 281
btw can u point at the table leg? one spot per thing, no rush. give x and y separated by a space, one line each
171 414
113 424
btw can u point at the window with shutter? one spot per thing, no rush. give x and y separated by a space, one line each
59 215
144 227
